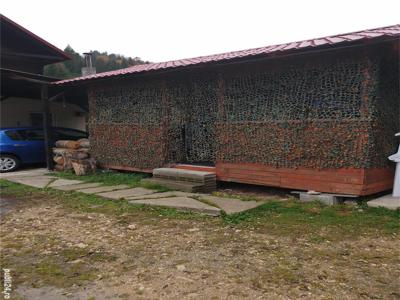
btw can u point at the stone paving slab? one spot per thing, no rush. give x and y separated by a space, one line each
74 187
62 182
387 201
25 173
127 193
230 205
101 189
35 181
181 203
161 195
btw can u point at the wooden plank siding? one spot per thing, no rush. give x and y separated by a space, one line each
345 181
193 168
350 181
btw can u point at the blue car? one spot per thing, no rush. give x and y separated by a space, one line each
25 145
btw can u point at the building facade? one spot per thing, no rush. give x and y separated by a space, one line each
319 120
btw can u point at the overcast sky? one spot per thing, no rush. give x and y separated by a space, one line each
158 30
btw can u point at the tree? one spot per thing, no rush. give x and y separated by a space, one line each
102 61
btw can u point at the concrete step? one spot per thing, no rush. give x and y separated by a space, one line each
194 168
184 186
184 175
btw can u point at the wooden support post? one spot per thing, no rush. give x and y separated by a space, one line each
48 141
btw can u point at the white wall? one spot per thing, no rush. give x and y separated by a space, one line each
16 112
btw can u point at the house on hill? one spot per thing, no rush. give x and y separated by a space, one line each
318 114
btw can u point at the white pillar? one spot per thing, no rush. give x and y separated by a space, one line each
396 158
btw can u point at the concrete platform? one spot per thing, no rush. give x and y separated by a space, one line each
184 175
325 198
185 180
230 205
387 201
102 189
181 203
119 194
79 186
62 182
34 181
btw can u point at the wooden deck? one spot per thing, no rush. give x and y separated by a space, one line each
350 181
194 168
341 181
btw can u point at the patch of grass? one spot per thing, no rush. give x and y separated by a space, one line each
91 203
47 270
47 266
71 254
113 178
316 221
236 196
299 218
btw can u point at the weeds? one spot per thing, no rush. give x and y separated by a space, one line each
289 217
113 178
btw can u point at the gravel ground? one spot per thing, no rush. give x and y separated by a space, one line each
58 253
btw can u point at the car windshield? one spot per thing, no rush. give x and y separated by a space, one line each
38 134
25 134
68 134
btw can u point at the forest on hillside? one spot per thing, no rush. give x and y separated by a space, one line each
101 60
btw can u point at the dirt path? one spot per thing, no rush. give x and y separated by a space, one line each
57 253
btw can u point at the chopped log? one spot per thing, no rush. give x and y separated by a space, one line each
84 150
67 144
59 151
84 166
59 160
76 154
83 143
59 168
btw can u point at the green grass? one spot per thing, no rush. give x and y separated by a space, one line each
88 203
51 270
317 221
292 217
112 178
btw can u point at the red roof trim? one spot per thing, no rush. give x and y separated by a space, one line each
35 37
389 31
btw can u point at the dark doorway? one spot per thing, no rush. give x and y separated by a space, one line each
200 132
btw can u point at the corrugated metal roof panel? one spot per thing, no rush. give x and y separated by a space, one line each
313 43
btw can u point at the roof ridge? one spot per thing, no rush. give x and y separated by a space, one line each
281 44
223 56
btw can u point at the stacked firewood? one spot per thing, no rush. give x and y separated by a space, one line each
73 155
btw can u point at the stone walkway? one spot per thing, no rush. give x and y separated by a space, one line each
202 203
387 201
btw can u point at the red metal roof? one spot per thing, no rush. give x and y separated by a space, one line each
335 40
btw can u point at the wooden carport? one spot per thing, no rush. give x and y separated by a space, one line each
23 58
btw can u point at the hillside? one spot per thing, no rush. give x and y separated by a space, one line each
102 61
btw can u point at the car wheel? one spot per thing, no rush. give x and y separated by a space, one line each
8 163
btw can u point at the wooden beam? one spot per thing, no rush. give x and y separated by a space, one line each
32 55
48 141
19 77
59 95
